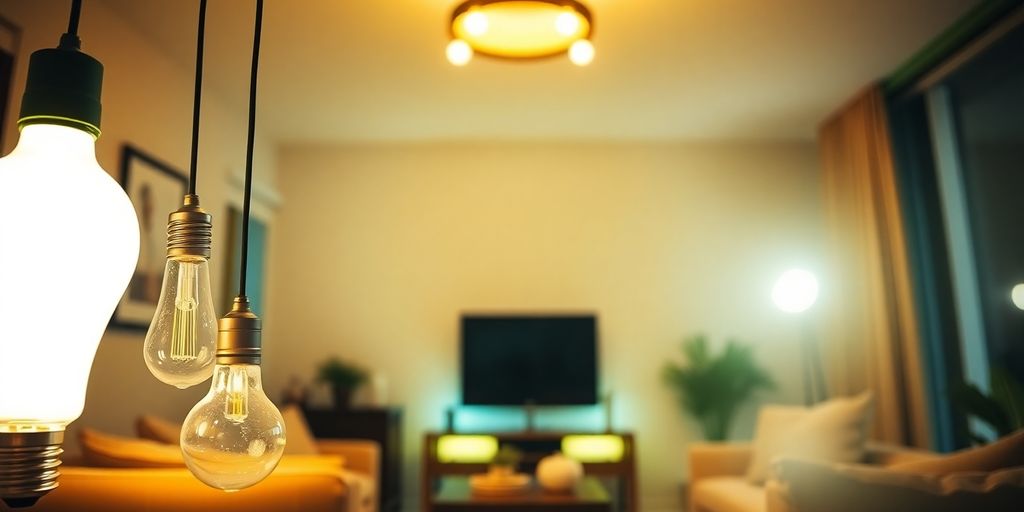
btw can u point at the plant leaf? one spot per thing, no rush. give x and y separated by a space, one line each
1009 394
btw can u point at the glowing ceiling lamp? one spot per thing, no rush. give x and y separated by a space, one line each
521 29
71 243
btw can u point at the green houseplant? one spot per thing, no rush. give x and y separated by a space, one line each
1002 409
343 377
712 387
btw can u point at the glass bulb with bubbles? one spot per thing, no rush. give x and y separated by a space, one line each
235 436
180 345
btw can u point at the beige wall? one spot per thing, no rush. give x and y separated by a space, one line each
380 247
147 101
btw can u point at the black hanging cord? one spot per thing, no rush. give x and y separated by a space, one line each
197 98
248 152
69 40
76 14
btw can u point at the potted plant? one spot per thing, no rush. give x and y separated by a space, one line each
343 377
711 387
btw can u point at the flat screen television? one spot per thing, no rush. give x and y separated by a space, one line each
529 359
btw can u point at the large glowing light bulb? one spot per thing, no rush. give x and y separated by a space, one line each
459 52
180 344
234 437
71 241
795 291
83 238
1017 295
581 52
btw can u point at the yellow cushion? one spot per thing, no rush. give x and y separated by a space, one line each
106 450
158 429
300 438
727 494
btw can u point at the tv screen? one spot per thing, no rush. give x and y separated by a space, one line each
517 360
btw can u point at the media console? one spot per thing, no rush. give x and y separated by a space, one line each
610 456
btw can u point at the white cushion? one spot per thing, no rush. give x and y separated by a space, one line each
727 494
832 431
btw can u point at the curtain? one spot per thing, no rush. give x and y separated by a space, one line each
870 337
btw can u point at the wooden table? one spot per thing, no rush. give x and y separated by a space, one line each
455 495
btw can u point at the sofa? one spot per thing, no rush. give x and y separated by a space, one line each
147 474
337 482
719 483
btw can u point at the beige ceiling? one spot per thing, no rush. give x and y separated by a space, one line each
374 70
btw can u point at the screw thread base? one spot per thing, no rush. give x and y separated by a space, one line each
30 466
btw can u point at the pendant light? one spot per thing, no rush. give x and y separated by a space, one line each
71 241
234 437
180 343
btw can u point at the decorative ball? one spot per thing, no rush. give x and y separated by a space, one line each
558 473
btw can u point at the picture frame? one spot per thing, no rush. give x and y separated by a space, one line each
156 189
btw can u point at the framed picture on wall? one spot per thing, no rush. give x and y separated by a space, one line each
156 189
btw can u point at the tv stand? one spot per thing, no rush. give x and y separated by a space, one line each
619 475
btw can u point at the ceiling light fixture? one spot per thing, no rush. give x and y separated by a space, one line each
182 337
521 30
72 241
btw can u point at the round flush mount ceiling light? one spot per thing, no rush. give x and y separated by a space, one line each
521 30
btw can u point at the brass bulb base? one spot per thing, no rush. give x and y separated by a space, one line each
29 469
189 231
239 335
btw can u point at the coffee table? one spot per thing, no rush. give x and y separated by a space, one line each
455 495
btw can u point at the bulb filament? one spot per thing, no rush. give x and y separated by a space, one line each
186 302
237 405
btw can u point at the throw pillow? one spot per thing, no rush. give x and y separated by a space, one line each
111 451
158 429
1007 452
774 423
810 485
832 431
300 438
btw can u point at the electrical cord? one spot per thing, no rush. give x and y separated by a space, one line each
197 98
249 147
69 40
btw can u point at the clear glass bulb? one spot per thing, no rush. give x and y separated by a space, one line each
182 338
234 437
71 241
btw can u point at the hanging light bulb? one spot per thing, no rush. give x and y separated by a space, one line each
182 337
71 235
234 437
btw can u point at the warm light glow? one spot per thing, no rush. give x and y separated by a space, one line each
795 291
521 28
459 53
594 448
475 22
466 449
1017 295
567 23
581 52
71 243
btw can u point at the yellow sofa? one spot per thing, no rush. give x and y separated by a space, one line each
301 483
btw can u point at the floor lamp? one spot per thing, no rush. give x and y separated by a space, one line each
795 292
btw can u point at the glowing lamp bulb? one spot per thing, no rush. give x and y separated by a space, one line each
234 437
567 23
795 291
475 23
1017 295
459 52
581 52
